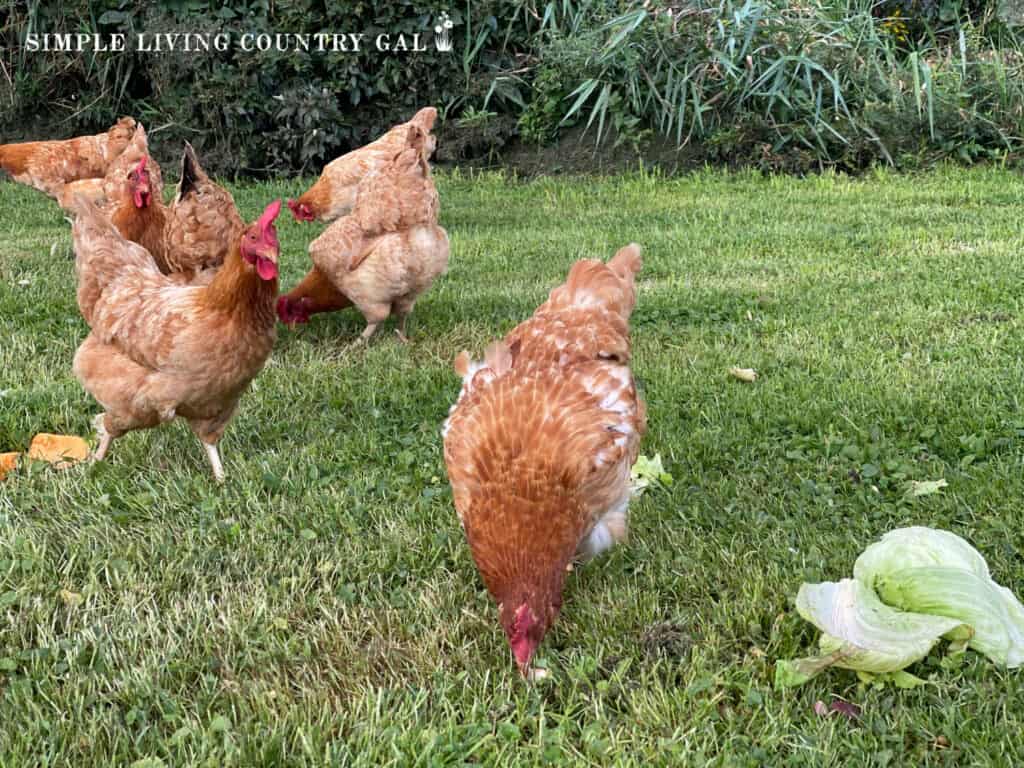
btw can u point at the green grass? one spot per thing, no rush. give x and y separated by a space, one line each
322 607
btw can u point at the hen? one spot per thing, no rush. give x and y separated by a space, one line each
49 165
116 186
158 349
540 443
195 232
383 255
334 193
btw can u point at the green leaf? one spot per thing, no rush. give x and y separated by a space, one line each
926 487
994 614
647 472
860 632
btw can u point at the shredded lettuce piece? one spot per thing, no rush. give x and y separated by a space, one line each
647 472
860 632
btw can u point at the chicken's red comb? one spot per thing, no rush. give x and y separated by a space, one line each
141 167
266 219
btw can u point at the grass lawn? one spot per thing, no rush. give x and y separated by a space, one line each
322 607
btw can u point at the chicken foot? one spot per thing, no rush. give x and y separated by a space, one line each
103 436
214 456
400 330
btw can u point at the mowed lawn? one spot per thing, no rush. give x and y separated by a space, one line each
321 607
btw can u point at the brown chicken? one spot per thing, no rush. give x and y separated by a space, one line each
49 165
383 255
540 444
158 349
334 193
194 233
123 175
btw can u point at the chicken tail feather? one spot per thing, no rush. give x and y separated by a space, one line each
14 158
425 119
463 363
627 262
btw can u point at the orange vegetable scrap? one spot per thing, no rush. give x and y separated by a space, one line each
8 463
60 450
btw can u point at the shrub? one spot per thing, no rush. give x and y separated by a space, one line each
251 114
821 83
825 81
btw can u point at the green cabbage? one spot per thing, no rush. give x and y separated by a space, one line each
939 573
909 589
861 633
918 547
992 611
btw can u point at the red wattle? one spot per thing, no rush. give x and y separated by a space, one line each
265 268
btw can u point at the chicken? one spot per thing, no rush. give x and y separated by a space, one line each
204 222
383 255
334 193
194 233
49 165
540 443
158 349
116 186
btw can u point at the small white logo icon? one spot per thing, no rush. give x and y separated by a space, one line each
442 33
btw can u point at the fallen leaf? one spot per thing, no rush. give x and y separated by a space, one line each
8 463
70 599
62 451
748 375
845 708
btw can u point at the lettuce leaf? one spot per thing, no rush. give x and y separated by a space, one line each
861 633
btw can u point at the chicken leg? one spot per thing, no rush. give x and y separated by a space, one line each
214 456
103 436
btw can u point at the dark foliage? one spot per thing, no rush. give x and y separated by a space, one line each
775 85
